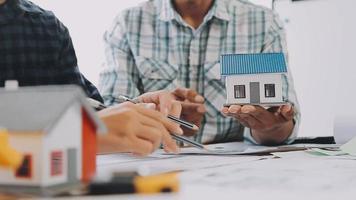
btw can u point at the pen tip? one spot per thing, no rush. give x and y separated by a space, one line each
195 128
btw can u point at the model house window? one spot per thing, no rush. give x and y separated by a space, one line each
25 170
240 91
56 163
270 90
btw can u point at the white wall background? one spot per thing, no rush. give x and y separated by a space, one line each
87 22
320 37
321 42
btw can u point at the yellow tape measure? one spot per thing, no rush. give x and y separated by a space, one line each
9 157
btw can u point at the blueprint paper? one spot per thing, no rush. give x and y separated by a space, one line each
293 172
350 147
238 148
158 164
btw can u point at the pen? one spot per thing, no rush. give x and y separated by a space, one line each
188 141
99 106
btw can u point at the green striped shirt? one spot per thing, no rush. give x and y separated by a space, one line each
150 47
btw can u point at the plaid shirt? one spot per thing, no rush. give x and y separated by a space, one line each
36 49
150 47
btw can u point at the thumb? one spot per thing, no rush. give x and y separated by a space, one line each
166 102
287 112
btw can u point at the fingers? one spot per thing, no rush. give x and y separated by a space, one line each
188 94
169 144
114 143
150 106
225 110
154 123
287 111
166 103
257 117
141 130
141 147
155 131
181 93
249 116
158 117
258 113
163 99
157 134
236 116
151 134
164 126
176 109
243 122
193 107
234 109
251 121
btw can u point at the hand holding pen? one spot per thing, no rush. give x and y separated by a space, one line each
135 129
181 101
164 97
181 122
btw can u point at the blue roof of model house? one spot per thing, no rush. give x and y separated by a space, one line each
235 64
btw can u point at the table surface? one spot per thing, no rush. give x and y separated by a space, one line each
290 175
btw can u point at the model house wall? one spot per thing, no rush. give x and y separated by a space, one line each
29 143
246 80
64 135
89 147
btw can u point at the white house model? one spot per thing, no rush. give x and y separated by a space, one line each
55 129
256 79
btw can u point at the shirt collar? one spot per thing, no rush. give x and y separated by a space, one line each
221 11
11 10
167 11
29 7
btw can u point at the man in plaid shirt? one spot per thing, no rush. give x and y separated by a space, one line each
176 45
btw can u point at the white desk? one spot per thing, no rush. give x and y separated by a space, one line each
296 175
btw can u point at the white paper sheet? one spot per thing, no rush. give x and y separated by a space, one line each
295 171
160 163
240 148
344 128
350 147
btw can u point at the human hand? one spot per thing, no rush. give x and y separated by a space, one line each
133 128
165 102
193 108
271 126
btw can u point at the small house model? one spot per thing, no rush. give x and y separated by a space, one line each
54 128
256 79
